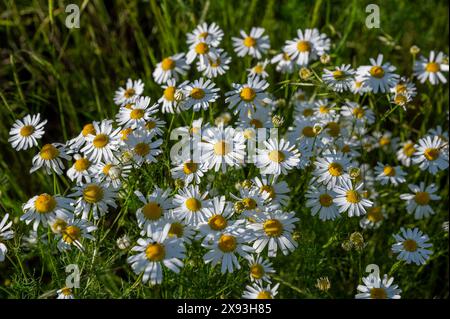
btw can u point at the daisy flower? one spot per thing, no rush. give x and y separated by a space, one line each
25 132
154 126
320 201
277 191
350 199
418 202
431 69
385 141
259 69
143 147
378 76
210 34
191 205
179 228
200 50
307 46
169 101
254 44
340 79
101 146
155 252
217 64
358 86
50 157
376 288
136 114
200 94
324 110
65 293
82 170
405 153
387 174
245 99
170 68
305 130
112 173
277 157
360 114
331 169
132 90
223 248
251 201
430 154
222 147
79 141
373 218
95 197
260 269
189 172
72 232
284 63
45 207
274 230
412 246
404 87
150 217
257 291
5 234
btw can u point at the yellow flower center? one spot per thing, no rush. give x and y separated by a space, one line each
249 42
400 88
400 99
193 204
155 252
88 129
257 271
325 200
26 130
256 123
389 171
71 233
264 295
409 149
49 152
169 93
100 140
352 197
82 164
197 93
176 230
45 203
150 125
221 148
168 64
258 69
247 94
137 114
152 211
249 203
422 198
410 245
286 57
358 112
432 67
374 214
308 131
303 46
324 109
215 63
106 168
125 132
217 222
129 93
201 48
66 291
377 72
339 75
92 194
273 227
269 189
335 169
308 112
346 149
59 225
333 129
203 35
142 149
190 167
227 243
276 156
378 293
385 141
431 154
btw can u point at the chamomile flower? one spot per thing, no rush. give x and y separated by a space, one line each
222 147
45 207
418 203
385 141
308 46
72 233
405 153
254 44
143 147
379 76
79 141
276 190
169 101
102 146
358 86
251 202
260 269
359 114
224 247
320 201
94 197
412 246
132 90
65 293
331 169
189 171
154 126
277 158
324 110
405 87
258 291
376 288
387 174
431 69
340 79
136 114
82 170
155 252
25 132
305 130
245 99
430 154
191 205
350 199
284 63
373 218
259 69
50 157
210 34
112 173
200 50
170 68
200 94
5 234
273 229
179 228
217 64
150 216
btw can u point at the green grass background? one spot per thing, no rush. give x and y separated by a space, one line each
70 75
